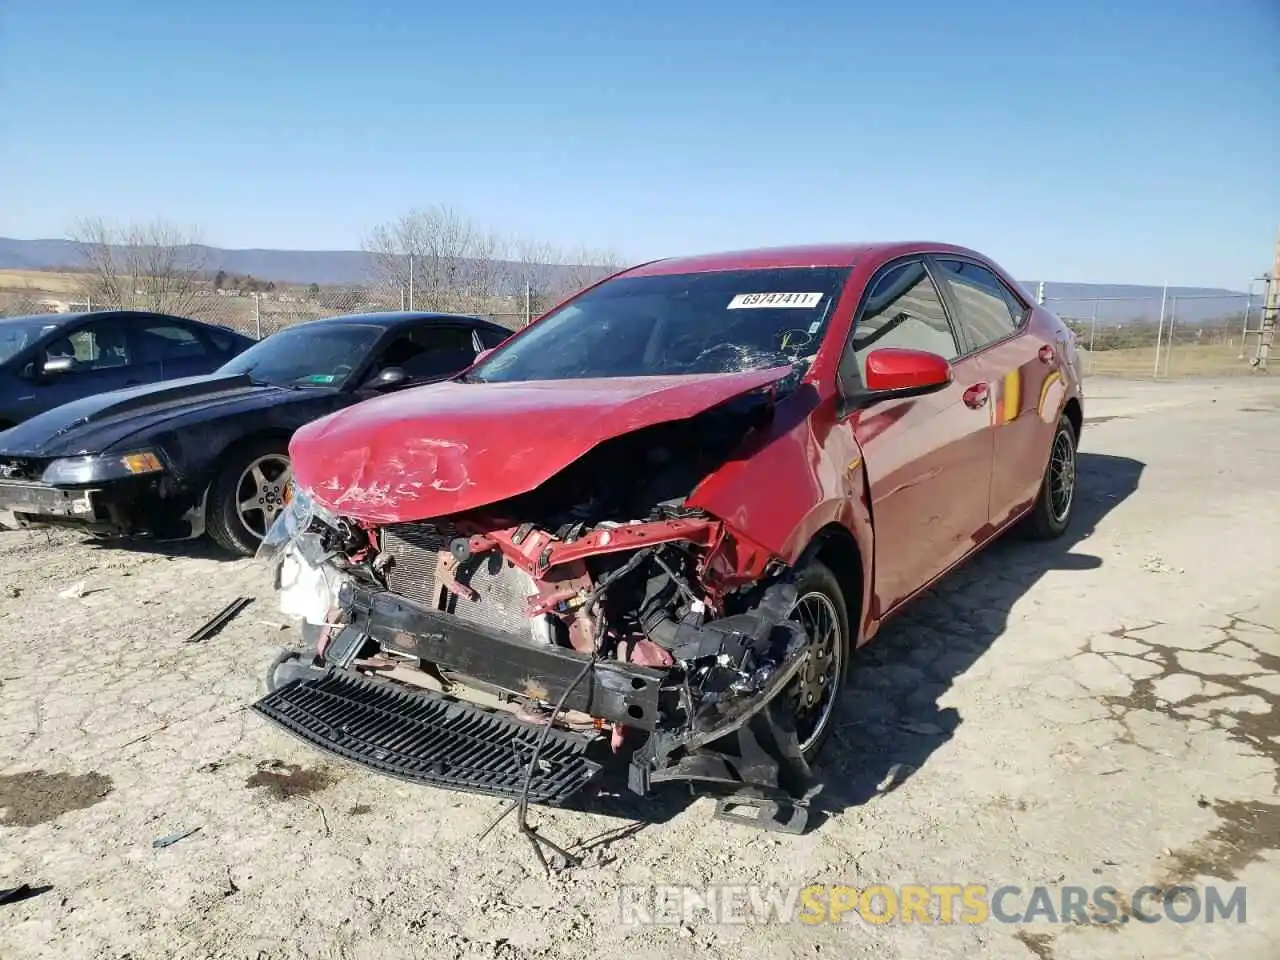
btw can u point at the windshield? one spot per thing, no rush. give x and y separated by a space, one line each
17 335
719 322
317 355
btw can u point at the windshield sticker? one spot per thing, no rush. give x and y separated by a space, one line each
748 301
319 378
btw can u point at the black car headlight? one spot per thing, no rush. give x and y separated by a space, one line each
79 471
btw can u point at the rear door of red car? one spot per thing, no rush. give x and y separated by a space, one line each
927 459
993 320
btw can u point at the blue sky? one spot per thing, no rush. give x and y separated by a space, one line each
1082 141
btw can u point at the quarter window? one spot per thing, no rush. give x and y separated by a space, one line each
987 311
903 310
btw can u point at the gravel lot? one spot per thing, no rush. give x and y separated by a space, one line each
1102 710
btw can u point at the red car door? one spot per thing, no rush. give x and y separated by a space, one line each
927 459
1016 360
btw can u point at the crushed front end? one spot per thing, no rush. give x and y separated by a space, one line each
595 634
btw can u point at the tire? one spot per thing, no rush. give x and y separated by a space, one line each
241 531
1050 516
818 596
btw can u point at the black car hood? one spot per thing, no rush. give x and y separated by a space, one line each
98 423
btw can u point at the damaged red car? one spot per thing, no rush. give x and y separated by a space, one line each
644 535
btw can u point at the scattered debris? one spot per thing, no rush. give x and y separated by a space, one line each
924 729
896 776
73 592
274 625
214 624
173 838
22 892
1154 563
12 591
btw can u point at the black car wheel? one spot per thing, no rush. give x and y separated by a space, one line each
815 693
248 494
1055 504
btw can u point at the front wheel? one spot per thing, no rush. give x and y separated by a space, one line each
1055 504
816 691
248 494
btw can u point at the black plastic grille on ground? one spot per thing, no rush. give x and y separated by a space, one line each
427 738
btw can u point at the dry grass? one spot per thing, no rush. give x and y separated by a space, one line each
42 282
1184 359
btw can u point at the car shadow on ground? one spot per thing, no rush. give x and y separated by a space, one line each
199 549
891 721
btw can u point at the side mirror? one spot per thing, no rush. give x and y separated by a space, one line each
388 378
896 372
56 365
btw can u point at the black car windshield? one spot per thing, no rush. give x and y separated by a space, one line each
718 322
310 354
17 335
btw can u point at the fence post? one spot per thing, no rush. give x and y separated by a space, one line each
1248 309
1093 333
1164 292
411 281
1173 321
257 314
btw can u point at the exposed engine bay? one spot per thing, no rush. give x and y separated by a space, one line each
598 603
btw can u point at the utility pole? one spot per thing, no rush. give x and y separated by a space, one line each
1270 308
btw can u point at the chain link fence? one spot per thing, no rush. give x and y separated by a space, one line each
1163 336
260 313
1175 335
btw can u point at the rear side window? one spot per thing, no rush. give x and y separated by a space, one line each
903 309
222 340
987 307
491 338
168 342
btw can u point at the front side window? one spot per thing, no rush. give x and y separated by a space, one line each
903 309
699 323
985 311
94 346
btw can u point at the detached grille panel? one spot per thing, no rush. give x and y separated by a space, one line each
427 738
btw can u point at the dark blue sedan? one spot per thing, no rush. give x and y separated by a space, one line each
50 359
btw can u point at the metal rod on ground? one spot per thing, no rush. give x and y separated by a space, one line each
1164 293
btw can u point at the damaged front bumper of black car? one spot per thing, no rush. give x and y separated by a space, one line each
421 694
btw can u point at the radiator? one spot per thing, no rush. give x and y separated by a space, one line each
502 588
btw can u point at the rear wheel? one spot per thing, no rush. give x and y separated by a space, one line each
816 691
248 494
1055 504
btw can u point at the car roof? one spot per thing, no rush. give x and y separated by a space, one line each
394 318
57 319
53 319
801 255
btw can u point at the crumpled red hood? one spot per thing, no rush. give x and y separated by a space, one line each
449 447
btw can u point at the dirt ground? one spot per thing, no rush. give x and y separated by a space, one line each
1101 710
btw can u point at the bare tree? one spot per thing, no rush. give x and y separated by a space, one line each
548 275
142 266
439 259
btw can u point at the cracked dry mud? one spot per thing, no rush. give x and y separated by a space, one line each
1100 710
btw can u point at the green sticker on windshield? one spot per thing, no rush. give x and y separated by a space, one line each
319 378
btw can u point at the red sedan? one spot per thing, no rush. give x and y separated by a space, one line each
652 526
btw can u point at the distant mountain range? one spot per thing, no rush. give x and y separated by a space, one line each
1115 303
